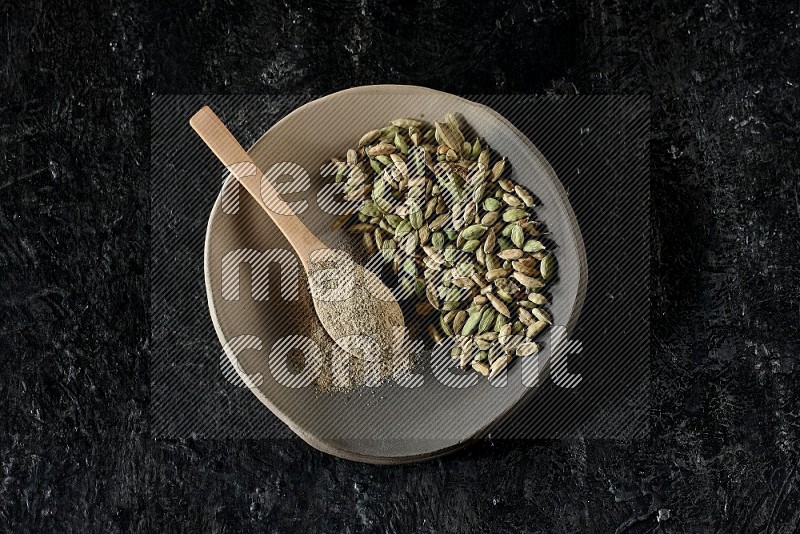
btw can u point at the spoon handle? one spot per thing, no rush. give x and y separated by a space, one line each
220 140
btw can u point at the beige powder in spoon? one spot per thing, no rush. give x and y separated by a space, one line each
357 310
361 315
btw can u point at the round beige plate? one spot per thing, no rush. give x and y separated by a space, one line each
389 423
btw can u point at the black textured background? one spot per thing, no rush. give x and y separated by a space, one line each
75 450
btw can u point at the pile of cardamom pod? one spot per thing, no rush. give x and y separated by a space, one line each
463 236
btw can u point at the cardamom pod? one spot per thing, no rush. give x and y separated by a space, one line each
528 281
448 136
473 232
510 254
492 204
449 253
381 149
424 234
450 305
411 242
430 208
416 217
490 218
525 317
523 194
532 245
370 209
506 185
518 236
375 166
548 266
388 248
410 267
481 367
490 242
492 262
476 148
369 137
459 320
511 200
483 159
393 219
494 274
445 328
433 298
482 344
542 315
504 333
437 240
400 143
527 348
477 195
430 263
471 245
402 229
439 222
487 320
498 169
406 123
503 294
535 329
538 298
471 323
498 305
499 322
514 214
498 365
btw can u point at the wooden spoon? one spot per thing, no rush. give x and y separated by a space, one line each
354 306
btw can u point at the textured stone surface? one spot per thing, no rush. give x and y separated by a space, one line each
76 82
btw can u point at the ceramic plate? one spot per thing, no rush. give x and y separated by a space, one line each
390 423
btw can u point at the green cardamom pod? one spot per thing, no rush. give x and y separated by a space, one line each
445 327
518 236
473 232
492 204
514 214
471 324
532 245
437 240
402 229
416 217
400 143
476 148
449 253
487 320
548 266
537 298
375 166
393 219
370 209
500 322
471 245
